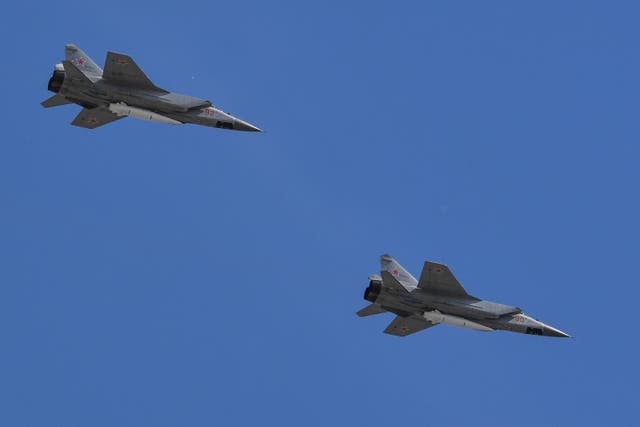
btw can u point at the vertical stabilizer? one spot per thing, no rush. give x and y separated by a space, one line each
74 76
402 276
82 61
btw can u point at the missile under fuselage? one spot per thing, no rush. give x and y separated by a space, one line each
436 317
122 109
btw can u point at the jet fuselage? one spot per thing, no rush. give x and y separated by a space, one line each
396 291
123 90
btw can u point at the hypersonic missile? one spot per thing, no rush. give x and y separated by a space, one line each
122 109
436 317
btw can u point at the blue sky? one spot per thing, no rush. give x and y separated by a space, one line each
169 276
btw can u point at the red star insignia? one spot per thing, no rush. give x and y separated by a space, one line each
438 270
395 272
93 120
81 61
122 62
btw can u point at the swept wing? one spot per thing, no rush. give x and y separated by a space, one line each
437 278
403 326
92 118
122 69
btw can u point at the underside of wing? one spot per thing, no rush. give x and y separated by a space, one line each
403 326
92 118
437 278
122 69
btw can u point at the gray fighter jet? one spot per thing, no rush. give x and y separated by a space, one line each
123 90
438 298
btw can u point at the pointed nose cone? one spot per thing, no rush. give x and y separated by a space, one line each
242 125
549 331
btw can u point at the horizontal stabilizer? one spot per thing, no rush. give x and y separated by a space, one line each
370 310
92 118
437 278
403 326
122 69
55 101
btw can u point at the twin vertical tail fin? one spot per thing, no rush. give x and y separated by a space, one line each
76 68
82 61
394 274
74 76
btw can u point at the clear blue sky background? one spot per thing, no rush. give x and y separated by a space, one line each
171 276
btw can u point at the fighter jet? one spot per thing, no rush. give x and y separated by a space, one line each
438 298
123 90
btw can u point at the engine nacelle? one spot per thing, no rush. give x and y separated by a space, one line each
372 292
56 80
